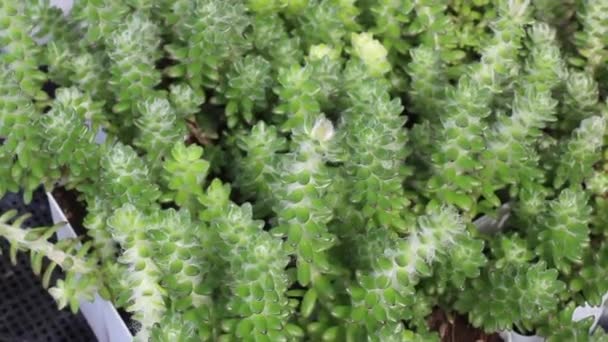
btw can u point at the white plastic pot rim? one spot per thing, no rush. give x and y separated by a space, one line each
511 336
104 320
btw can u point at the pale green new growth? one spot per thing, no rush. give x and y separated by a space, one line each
146 300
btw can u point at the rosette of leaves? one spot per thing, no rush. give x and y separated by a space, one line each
255 265
246 89
209 39
513 295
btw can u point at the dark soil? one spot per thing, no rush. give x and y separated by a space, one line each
74 210
457 328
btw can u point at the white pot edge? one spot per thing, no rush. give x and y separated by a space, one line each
104 320
511 336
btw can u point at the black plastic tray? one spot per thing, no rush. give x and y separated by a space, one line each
27 312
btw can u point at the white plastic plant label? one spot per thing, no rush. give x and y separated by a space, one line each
65 5
598 312
511 336
104 320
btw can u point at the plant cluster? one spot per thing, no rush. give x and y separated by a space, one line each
320 170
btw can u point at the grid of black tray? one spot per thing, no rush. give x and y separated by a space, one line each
27 312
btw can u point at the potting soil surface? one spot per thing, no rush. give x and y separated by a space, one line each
27 312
